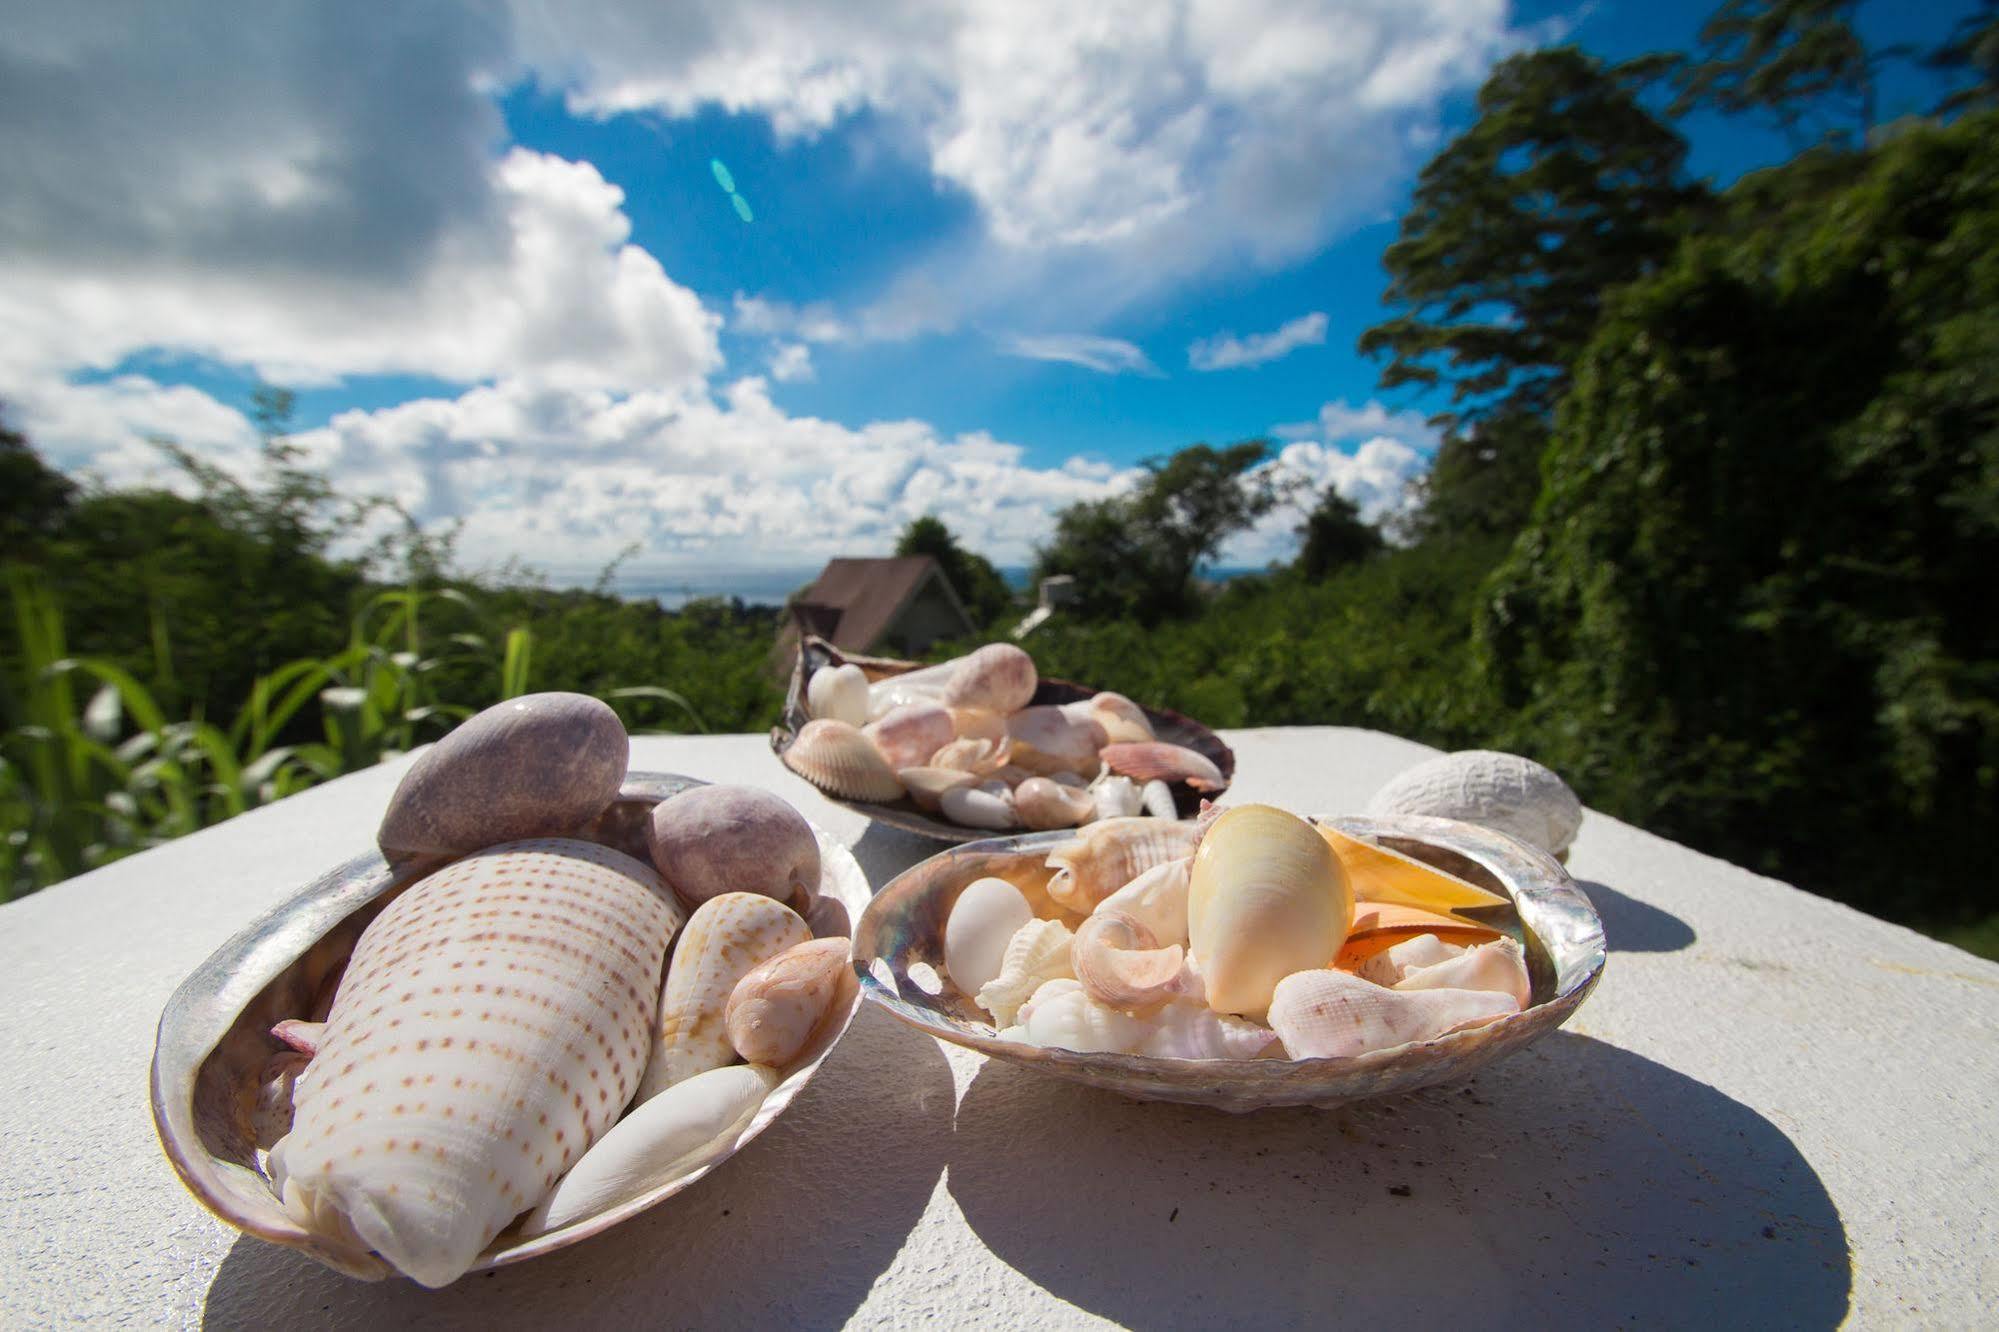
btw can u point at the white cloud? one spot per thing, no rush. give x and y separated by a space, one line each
809 323
1341 420
1108 356
1375 476
1225 351
791 362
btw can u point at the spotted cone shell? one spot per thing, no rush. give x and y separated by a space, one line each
491 1024
726 938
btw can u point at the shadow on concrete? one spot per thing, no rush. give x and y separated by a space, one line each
791 1232
885 852
1632 926
1574 1184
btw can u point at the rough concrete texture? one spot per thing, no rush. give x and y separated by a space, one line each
1773 1111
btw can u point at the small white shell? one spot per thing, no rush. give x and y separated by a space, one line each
1157 899
982 923
1332 1014
987 805
1499 967
1062 1015
1117 797
841 761
1157 797
1038 952
838 692
1504 792
1396 961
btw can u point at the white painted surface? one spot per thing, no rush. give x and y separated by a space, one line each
1774 1111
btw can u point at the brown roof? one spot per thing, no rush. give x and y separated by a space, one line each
855 601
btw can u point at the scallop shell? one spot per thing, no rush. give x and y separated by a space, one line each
774 1009
541 765
1158 761
983 921
1267 897
400 1142
725 938
839 760
1324 1014
998 676
1108 854
719 839
908 736
1506 792
1038 952
839 693
1043 803
1062 1015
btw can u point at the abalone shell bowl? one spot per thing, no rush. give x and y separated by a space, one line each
902 932
215 1036
816 652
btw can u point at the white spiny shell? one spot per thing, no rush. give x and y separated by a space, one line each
1038 952
1393 963
491 1024
982 922
726 938
1108 854
774 1009
839 693
1062 1015
1331 1014
1157 899
986 805
643 1147
998 676
1117 797
1267 897
1505 792
1043 803
908 736
842 762
1498 966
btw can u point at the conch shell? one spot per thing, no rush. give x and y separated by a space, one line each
1062 1015
842 762
1499 966
1322 1014
1505 792
725 938
1110 853
1121 963
1267 897
1038 952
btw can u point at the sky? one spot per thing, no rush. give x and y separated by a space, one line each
728 288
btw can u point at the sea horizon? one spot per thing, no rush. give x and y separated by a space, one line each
773 586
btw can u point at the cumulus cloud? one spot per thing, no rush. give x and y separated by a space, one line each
1225 351
1107 356
791 362
1342 420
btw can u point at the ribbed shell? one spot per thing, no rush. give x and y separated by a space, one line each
1331 1014
840 761
492 1023
1037 953
1505 792
726 938
1110 853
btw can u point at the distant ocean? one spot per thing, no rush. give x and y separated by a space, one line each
770 587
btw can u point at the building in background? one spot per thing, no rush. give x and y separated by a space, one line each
878 607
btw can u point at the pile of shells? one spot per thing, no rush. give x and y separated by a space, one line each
566 1000
967 742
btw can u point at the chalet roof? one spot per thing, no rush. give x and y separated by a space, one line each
855 601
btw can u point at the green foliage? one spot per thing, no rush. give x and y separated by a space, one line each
1788 59
1563 188
1972 50
34 498
979 585
1334 535
1483 481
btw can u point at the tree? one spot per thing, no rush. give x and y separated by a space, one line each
978 584
1483 481
1784 58
1564 188
1334 535
1137 554
34 497
1971 49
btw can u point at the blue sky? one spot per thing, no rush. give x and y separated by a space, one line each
494 259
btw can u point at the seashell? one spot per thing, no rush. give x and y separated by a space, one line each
710 840
1378 874
986 805
1499 967
840 761
643 1147
1393 963
1108 854
1267 897
1156 899
977 724
926 684
1010 776
399 1143
1505 792
775 1008
1121 963
827 918
839 693
982 757
998 676
1157 797
908 736
1045 741
272 1113
1038 952
1330 1014
1043 804
926 786
541 765
1163 762
1117 797
1063 1015
982 923
1069 779
1123 720
725 938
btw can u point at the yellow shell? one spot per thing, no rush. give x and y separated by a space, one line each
1378 874
1267 897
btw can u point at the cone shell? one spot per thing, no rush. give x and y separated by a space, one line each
774 1010
908 736
541 765
840 761
999 676
710 840
839 693
1158 761
535 955
1505 792
725 939
1267 897
1322 1014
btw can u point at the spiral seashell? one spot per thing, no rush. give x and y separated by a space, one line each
981 757
709 840
1389 966
1046 742
776 1007
642 1149
839 693
1062 1015
977 724
1121 963
541 765
1158 761
840 761
1038 952
1267 897
998 676
1117 797
1106 855
1378 874
1322 1014
490 1026
926 786
982 923
1044 804
1505 792
725 938
1157 899
1499 966
908 736
985 805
